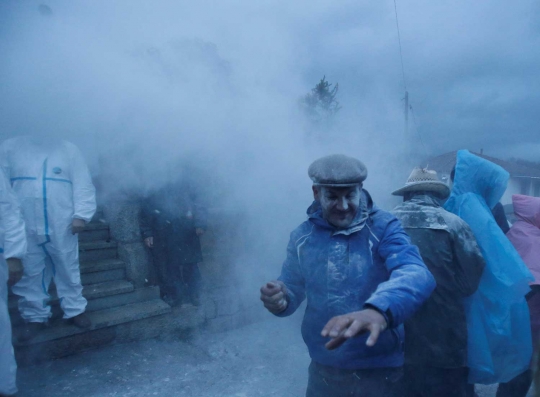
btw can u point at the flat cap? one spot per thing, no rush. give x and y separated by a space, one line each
337 170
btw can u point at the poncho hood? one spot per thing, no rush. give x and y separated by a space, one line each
479 176
525 232
527 209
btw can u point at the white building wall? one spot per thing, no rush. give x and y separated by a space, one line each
514 187
528 186
535 190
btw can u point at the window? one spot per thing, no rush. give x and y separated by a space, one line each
525 186
536 191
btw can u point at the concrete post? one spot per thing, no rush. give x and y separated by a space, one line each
123 218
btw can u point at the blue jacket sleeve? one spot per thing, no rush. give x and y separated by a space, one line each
410 282
291 275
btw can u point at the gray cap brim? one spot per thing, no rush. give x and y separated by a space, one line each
337 170
338 184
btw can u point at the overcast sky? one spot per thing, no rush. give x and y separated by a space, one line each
225 77
472 68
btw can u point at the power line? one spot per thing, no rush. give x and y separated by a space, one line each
408 106
400 50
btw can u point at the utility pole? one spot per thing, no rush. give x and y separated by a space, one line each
406 114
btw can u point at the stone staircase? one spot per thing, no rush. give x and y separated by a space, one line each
118 310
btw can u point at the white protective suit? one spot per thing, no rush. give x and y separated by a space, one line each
12 245
54 187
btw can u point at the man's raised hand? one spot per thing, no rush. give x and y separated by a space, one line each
341 328
274 296
77 226
149 242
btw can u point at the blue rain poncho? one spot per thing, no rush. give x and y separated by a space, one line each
499 336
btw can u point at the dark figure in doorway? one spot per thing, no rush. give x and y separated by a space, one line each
172 220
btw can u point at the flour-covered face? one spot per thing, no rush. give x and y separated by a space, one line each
339 205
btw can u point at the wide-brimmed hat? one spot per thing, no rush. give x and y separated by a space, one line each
424 180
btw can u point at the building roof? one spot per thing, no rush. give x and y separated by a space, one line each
445 162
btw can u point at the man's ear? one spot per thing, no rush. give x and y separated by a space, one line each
316 192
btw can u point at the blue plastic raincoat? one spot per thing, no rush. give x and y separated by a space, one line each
499 336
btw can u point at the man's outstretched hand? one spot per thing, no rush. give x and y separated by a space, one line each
341 328
274 296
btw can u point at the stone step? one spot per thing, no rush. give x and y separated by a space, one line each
137 295
105 302
102 265
105 265
103 276
97 250
98 216
90 292
151 321
95 231
62 329
107 288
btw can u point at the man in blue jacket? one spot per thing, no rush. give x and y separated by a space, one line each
362 278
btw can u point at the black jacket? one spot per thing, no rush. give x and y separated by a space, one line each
500 217
171 216
436 335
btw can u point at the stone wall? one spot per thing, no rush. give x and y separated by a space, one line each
224 305
123 218
227 305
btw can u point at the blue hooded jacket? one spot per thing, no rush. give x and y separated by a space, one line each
342 270
499 336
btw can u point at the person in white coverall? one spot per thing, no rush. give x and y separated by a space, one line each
12 250
57 197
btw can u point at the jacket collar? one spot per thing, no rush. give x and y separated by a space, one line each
424 199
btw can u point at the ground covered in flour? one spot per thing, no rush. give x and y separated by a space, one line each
263 359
